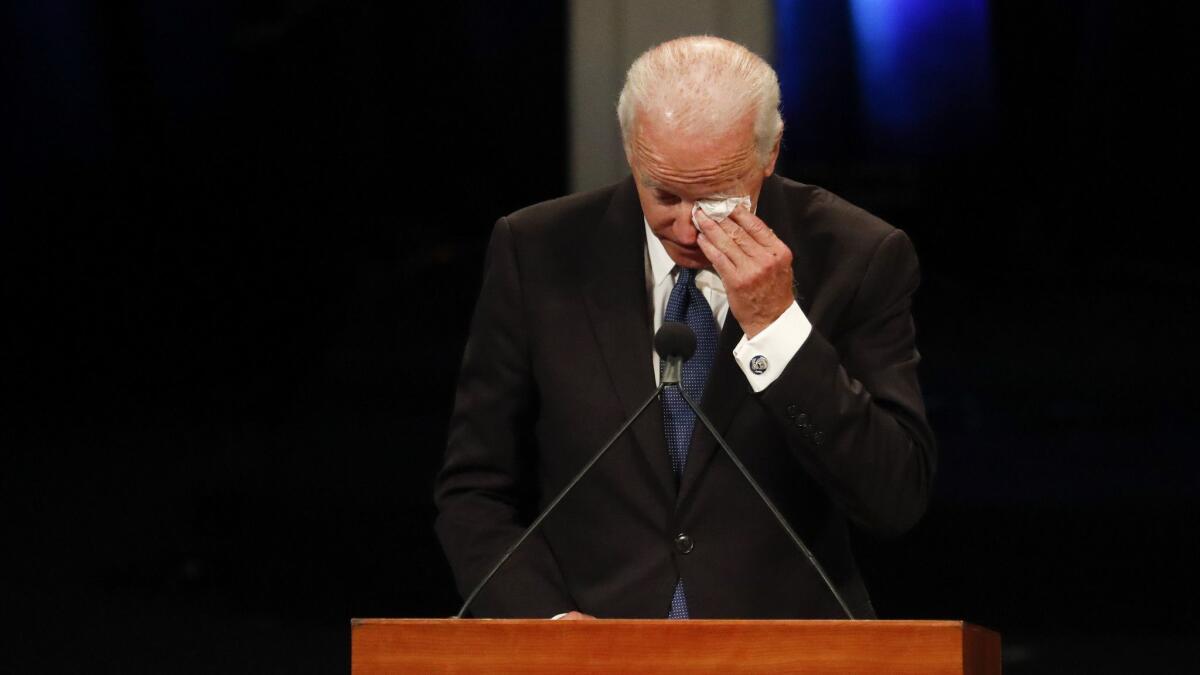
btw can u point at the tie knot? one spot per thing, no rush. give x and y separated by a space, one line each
687 276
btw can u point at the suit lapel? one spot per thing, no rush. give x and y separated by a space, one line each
776 211
617 304
727 388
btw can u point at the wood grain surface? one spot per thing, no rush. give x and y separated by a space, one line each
660 646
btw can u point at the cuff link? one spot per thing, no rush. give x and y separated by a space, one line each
758 364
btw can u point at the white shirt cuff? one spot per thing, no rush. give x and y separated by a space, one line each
763 357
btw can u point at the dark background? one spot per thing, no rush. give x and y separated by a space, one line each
242 247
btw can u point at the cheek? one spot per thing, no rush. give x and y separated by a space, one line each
674 221
659 216
670 221
661 228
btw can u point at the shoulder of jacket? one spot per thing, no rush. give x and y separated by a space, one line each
827 215
570 211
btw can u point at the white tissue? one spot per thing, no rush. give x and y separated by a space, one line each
718 209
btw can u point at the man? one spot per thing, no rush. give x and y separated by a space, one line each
806 362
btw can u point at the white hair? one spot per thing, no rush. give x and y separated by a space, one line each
703 84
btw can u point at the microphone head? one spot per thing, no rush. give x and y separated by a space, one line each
675 341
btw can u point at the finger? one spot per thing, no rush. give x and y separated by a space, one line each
744 241
754 226
720 238
771 247
721 263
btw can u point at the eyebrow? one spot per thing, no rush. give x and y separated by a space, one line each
655 185
649 182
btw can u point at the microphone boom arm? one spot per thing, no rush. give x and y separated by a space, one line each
766 500
558 498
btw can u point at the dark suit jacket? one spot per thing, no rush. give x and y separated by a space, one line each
559 354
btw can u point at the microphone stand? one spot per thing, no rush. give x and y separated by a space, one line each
762 495
671 375
563 493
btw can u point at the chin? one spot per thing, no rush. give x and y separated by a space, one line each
696 262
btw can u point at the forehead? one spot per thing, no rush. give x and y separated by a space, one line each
693 162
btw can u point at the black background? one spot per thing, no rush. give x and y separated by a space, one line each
242 247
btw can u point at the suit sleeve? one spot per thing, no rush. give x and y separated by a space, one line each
852 408
486 485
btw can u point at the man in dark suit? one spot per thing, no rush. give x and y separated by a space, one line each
806 363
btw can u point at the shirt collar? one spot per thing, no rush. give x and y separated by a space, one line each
661 264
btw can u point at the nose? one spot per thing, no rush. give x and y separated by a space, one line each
685 229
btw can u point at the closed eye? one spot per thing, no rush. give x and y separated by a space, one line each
665 197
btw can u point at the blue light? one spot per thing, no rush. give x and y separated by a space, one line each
872 77
923 70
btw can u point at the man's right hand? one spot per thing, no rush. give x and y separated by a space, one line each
575 616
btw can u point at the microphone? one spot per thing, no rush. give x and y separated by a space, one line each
679 345
676 343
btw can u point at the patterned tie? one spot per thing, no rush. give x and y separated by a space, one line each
687 305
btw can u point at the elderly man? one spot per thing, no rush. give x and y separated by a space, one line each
806 362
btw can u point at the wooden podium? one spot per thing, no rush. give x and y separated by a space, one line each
661 646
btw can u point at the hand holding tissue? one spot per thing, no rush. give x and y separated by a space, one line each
718 209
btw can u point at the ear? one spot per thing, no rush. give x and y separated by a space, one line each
629 160
769 167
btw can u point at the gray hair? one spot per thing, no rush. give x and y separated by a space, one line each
708 84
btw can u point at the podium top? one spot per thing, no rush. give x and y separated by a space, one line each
624 645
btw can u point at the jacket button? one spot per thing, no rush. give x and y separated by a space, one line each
792 411
805 429
683 543
801 420
818 437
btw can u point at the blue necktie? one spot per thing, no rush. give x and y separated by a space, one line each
687 305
